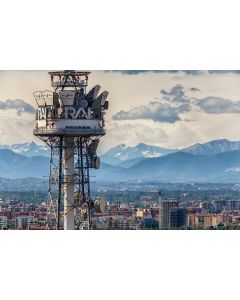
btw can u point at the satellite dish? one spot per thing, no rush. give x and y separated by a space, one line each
84 213
39 98
106 105
99 103
78 200
66 97
60 111
103 97
92 94
96 162
83 103
99 205
92 148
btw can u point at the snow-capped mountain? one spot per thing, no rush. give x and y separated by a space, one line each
213 147
122 153
28 149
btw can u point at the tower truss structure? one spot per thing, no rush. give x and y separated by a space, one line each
70 120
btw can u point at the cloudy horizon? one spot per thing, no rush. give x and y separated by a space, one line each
171 109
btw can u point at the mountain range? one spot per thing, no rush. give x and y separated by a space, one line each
28 149
215 161
122 154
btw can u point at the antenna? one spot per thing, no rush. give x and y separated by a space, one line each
70 119
159 204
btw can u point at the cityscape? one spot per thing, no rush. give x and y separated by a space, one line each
205 207
78 159
119 150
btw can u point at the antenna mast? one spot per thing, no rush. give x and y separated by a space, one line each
70 120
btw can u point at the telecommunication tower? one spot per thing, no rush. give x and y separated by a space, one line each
70 119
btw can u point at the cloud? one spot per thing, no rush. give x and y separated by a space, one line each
187 72
217 105
176 94
136 72
131 134
156 111
18 104
10 133
173 102
224 71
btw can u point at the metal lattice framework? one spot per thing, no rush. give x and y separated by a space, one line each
82 204
71 121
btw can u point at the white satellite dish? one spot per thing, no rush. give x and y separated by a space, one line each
84 213
92 94
99 205
96 162
92 148
78 198
67 97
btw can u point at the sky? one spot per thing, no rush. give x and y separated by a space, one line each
171 109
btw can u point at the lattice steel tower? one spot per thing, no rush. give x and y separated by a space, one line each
70 120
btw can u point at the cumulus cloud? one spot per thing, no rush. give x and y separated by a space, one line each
186 72
173 103
136 72
131 134
176 94
224 71
18 104
10 133
217 105
156 111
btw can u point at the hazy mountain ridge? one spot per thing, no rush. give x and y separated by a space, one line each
122 152
174 167
28 149
213 147
13 165
215 161
182 166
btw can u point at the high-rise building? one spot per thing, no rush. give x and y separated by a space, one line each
3 222
233 205
178 217
171 215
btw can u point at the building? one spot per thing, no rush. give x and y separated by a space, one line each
202 221
171 216
178 217
233 205
23 222
3 222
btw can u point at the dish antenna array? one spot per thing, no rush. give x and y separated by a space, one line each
70 120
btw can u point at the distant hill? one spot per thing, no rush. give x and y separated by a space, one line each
122 153
213 147
28 149
126 157
13 165
180 166
130 162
